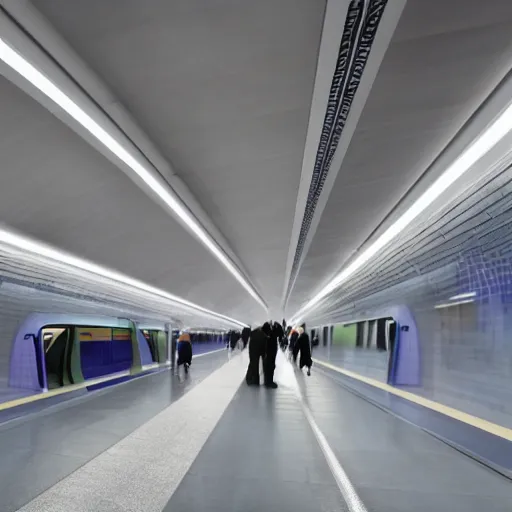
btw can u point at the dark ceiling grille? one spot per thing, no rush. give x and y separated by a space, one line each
361 25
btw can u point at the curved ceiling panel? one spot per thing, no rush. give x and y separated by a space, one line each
57 188
225 92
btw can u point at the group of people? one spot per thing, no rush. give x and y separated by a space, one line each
299 342
238 339
184 345
263 347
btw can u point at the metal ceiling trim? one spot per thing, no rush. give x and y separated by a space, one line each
376 22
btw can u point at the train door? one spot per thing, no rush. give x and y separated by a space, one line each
152 341
392 335
55 344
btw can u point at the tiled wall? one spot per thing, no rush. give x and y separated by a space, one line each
17 302
467 358
366 362
465 349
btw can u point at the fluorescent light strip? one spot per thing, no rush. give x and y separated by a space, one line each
501 127
450 304
467 295
45 251
36 78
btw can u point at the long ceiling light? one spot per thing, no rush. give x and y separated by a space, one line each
491 136
41 250
467 295
451 304
41 82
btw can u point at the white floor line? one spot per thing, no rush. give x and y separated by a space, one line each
141 472
210 352
287 377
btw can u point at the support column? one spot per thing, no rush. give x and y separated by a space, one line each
171 347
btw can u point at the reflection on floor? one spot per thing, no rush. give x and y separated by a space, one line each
487 442
41 449
16 402
228 447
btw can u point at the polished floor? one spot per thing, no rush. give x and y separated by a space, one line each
43 448
207 442
262 455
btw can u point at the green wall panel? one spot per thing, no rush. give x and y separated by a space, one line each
162 346
136 364
344 335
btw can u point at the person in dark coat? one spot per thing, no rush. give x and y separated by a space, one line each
246 333
269 362
278 333
293 342
303 346
233 339
184 351
257 345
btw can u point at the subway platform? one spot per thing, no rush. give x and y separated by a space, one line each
207 442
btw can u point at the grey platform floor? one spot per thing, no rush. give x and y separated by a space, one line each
395 466
39 450
263 455
261 452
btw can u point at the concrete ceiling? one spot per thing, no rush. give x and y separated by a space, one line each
445 58
65 193
224 90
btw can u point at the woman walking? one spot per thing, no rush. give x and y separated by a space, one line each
304 347
184 351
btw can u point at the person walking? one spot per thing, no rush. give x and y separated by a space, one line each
184 351
257 345
269 362
233 339
246 333
293 343
304 347
278 333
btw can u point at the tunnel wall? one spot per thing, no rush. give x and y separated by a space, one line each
467 358
367 362
467 347
465 350
17 302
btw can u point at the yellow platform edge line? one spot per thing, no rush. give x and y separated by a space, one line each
60 391
75 387
474 421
